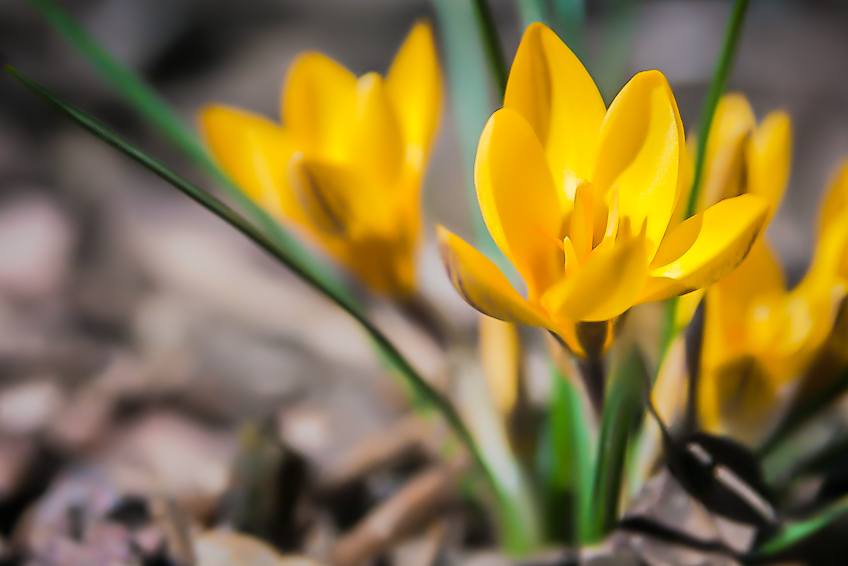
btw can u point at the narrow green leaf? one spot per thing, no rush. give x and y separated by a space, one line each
516 509
473 102
281 254
492 43
794 533
162 116
565 461
622 412
717 88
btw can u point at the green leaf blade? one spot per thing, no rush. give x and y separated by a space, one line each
155 110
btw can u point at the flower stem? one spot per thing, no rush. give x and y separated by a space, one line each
717 88
494 49
622 409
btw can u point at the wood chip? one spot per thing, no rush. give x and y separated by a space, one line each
413 506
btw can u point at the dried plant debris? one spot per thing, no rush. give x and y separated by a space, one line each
419 501
227 548
665 504
85 520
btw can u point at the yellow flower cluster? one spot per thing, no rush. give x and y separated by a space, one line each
761 339
581 199
346 164
586 202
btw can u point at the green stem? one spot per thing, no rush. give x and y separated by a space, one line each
494 49
225 212
717 88
622 409
565 462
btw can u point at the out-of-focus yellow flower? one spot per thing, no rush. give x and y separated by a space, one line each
742 157
580 198
500 358
346 163
833 237
760 338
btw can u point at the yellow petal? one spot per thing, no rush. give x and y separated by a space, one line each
830 260
746 306
518 199
738 397
834 207
318 105
254 152
414 88
376 146
727 171
639 153
769 156
721 237
324 190
685 176
553 91
383 265
606 286
581 229
500 358
482 285
758 276
733 119
724 168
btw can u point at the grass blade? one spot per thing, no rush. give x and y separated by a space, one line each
622 411
165 119
516 510
234 219
717 88
565 461
472 99
492 43
796 532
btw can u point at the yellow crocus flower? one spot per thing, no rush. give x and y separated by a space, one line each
346 164
832 231
580 198
760 338
743 157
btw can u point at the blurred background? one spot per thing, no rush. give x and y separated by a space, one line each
137 331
